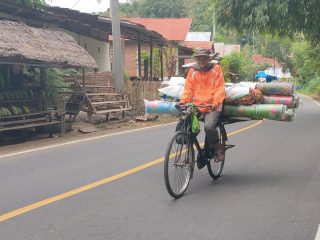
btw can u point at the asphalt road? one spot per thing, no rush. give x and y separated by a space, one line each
270 188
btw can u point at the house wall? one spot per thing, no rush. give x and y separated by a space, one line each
131 58
226 49
99 50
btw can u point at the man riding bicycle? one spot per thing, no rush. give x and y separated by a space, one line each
205 85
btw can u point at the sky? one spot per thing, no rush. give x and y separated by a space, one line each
88 6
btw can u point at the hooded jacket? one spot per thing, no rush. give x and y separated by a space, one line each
204 87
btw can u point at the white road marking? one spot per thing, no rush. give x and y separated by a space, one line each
310 98
78 141
318 234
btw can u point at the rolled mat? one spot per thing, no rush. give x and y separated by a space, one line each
289 115
160 107
257 111
276 88
278 99
296 100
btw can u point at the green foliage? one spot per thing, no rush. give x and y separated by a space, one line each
242 65
156 65
163 9
55 84
306 61
275 47
285 17
32 3
130 9
313 86
201 12
154 9
224 63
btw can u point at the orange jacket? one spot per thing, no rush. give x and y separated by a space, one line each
203 88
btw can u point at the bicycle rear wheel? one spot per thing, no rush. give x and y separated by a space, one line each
215 168
178 164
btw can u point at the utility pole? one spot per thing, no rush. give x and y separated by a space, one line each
117 64
274 66
214 23
253 42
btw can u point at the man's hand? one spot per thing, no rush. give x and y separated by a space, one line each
213 107
180 103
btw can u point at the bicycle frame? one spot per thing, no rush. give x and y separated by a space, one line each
202 152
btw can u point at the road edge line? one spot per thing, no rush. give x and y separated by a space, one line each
76 191
310 98
79 141
318 234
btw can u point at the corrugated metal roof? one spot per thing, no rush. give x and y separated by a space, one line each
198 36
173 29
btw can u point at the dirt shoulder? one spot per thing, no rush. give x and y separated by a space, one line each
81 129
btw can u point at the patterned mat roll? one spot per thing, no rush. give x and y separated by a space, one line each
160 107
276 88
278 99
257 111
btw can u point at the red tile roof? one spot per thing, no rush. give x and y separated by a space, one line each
259 59
199 44
173 29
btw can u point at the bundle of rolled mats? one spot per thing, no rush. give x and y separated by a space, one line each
274 101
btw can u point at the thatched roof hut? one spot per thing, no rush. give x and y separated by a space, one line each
20 43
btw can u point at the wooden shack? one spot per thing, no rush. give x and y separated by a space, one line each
26 53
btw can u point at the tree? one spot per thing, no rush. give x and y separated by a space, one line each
201 12
285 17
130 9
162 9
31 3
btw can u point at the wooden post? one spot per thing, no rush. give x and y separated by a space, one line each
161 63
139 55
151 59
43 87
83 79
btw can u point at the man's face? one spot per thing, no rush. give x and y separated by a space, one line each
202 61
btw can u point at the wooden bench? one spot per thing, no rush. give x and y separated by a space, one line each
32 120
107 102
103 94
98 96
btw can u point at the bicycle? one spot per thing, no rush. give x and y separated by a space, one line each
180 155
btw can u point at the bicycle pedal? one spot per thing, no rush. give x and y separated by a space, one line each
229 146
201 163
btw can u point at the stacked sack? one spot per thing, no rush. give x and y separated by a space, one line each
274 101
170 93
173 89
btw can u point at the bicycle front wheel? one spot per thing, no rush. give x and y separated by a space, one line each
215 168
178 164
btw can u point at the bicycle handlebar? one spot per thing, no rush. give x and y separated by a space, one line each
183 107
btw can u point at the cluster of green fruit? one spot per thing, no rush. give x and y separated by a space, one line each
21 94
13 110
2 82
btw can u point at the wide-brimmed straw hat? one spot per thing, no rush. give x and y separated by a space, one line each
202 52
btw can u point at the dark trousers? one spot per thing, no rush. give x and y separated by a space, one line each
210 127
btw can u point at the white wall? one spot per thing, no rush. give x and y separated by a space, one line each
99 50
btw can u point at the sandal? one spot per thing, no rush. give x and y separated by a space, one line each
218 153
